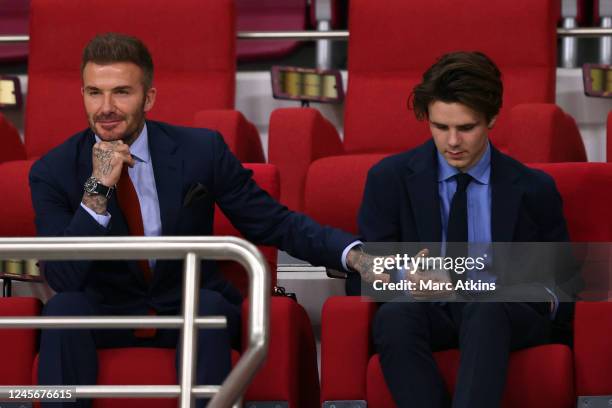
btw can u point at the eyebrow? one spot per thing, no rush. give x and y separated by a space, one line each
117 88
459 126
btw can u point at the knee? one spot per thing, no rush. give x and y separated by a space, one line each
68 304
211 303
485 314
397 321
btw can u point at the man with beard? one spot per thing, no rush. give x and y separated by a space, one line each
129 176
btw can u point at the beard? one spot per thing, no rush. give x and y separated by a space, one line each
135 123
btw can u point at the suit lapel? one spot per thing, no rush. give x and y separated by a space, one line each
422 185
505 197
168 171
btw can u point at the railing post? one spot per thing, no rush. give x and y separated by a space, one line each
189 338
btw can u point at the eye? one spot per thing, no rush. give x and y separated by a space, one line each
466 128
93 92
122 92
440 127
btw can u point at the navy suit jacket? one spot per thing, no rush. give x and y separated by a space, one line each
181 157
401 203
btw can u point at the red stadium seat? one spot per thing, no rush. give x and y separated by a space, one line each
193 49
19 346
289 373
609 138
392 43
14 21
539 376
269 15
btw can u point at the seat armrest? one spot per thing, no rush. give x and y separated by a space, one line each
297 137
346 325
240 135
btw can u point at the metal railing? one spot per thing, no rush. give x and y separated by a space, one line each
343 35
192 250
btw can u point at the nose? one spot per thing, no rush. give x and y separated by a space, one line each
107 104
454 139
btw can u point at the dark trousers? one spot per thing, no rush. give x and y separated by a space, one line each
69 357
406 334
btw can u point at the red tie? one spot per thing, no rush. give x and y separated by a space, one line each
130 206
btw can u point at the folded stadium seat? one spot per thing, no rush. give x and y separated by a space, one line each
289 373
269 15
387 56
538 376
12 148
609 138
14 21
193 49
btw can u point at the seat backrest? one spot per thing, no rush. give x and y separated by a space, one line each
586 190
393 42
334 191
269 15
192 43
14 21
267 177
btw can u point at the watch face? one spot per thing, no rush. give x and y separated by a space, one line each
90 185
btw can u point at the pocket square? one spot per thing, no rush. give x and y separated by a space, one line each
196 192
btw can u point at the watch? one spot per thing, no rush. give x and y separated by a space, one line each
94 186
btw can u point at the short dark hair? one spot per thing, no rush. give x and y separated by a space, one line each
469 78
108 48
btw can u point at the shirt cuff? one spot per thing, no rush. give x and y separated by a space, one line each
346 251
102 219
553 313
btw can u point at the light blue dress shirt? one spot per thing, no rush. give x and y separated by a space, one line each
478 207
479 212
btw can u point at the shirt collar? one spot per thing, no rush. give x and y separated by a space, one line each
481 171
140 148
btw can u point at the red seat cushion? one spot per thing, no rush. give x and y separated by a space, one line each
537 377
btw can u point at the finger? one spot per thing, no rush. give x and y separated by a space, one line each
423 252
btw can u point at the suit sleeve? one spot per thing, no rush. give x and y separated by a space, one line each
55 217
263 220
379 214
553 228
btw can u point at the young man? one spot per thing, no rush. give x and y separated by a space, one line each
458 188
129 176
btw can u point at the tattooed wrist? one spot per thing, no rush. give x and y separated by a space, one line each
95 202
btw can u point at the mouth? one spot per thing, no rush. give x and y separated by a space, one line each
455 155
108 124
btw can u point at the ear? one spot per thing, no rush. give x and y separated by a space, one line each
150 99
82 91
492 122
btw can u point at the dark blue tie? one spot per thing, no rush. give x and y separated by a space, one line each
457 229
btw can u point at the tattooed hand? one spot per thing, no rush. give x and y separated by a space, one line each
108 159
363 263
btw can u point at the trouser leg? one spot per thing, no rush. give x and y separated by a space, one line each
487 334
405 334
68 356
215 345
